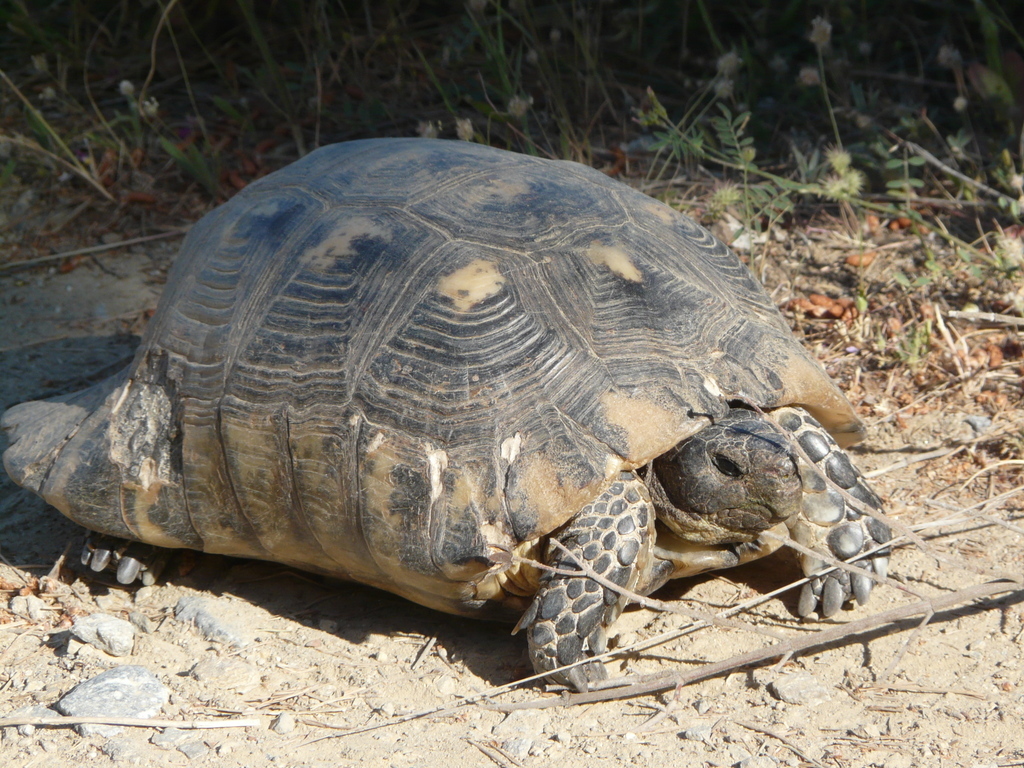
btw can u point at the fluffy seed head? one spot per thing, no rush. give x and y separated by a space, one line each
821 33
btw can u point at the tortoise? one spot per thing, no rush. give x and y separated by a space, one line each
418 364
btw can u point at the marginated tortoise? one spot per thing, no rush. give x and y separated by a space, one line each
416 363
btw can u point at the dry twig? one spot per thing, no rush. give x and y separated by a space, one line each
91 249
131 722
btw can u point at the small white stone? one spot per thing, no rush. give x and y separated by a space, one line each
108 633
283 723
447 685
800 688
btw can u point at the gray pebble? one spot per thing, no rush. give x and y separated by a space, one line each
203 614
522 723
229 674
108 633
123 749
979 424
193 749
170 738
800 688
518 748
28 607
698 733
127 691
283 723
758 761
33 710
141 622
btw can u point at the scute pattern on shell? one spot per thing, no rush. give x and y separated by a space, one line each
395 360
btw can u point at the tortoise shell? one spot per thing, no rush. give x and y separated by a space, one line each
397 361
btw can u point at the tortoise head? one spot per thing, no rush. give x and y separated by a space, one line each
729 482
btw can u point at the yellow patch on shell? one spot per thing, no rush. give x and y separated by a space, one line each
380 461
666 214
616 259
338 244
140 502
468 286
651 429
806 385
552 496
505 189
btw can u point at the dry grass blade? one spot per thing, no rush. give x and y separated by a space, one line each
70 160
990 318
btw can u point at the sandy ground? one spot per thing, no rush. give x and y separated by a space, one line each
364 678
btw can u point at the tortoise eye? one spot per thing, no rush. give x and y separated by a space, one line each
726 466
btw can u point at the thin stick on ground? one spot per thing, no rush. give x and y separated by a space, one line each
91 249
131 722
642 685
779 737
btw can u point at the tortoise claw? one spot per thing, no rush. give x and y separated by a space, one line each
100 559
834 593
128 569
862 585
808 598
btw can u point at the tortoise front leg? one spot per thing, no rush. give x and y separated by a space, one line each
570 615
131 559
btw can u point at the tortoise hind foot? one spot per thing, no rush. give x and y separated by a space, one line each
570 615
130 560
830 523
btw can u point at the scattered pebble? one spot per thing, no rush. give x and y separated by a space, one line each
229 673
28 607
737 754
112 601
193 749
980 424
170 738
123 749
283 723
141 622
698 733
758 761
33 710
202 613
522 722
518 748
800 688
108 633
126 691
446 685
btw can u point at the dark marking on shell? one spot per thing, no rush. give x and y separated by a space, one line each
815 445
